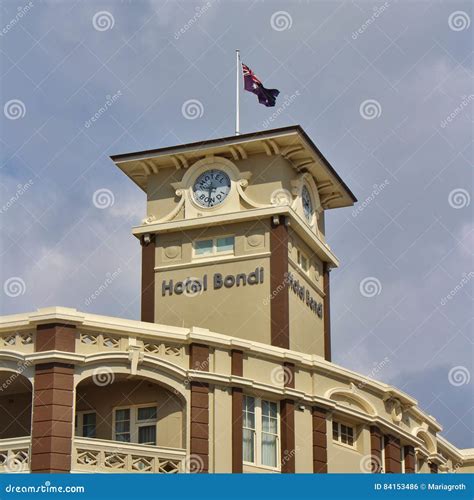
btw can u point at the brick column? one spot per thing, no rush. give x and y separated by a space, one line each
53 402
376 449
409 459
199 462
320 445
327 312
287 420
279 305
433 468
237 414
148 279
393 462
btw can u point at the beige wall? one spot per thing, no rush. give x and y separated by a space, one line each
240 311
303 439
103 400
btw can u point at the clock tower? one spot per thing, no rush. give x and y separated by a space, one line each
234 239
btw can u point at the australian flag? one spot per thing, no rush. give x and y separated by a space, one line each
254 85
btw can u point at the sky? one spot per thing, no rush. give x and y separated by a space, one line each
383 88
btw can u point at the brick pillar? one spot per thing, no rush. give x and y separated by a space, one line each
53 402
376 449
287 421
320 445
279 305
409 459
199 461
393 462
327 312
237 414
148 279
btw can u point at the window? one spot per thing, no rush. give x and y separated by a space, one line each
215 246
136 425
303 261
343 434
260 432
85 424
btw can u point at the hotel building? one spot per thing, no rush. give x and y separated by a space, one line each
229 368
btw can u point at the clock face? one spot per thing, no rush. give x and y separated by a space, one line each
307 204
211 188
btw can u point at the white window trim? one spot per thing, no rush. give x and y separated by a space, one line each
79 428
402 457
338 441
382 455
300 253
135 424
258 436
214 251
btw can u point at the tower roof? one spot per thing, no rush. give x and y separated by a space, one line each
290 142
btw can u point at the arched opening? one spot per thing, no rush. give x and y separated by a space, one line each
129 409
15 405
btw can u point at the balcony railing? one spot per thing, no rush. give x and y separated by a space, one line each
99 455
15 454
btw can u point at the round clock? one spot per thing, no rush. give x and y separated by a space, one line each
307 204
211 188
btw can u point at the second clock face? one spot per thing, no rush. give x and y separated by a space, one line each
211 188
307 204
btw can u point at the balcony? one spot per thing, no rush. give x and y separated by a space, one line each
100 455
15 454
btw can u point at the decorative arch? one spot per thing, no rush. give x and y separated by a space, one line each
428 441
339 394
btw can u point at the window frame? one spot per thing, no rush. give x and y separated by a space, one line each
214 252
338 439
299 255
135 423
79 423
258 434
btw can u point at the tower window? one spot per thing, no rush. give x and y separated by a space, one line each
223 245
303 261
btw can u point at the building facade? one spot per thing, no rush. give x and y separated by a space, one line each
229 369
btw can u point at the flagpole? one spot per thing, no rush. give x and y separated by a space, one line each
237 92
